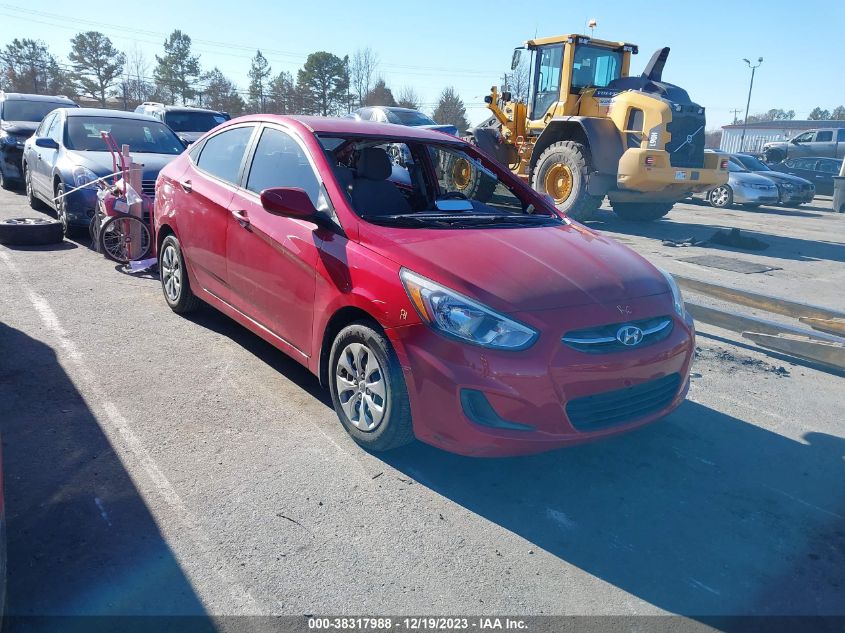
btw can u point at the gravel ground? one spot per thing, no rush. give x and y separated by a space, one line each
162 465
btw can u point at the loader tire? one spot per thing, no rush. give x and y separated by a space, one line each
641 211
561 172
461 176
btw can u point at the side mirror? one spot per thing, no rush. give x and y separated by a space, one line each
517 57
291 202
46 143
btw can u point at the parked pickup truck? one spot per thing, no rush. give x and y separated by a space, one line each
826 142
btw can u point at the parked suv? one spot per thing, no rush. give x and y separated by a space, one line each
188 122
20 114
828 142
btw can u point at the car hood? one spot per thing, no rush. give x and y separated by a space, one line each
779 144
781 177
521 269
448 129
749 176
101 162
189 137
20 128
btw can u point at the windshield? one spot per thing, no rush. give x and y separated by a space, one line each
194 121
408 117
735 167
20 110
144 137
594 67
414 184
752 163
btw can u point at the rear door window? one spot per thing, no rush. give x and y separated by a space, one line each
223 153
824 136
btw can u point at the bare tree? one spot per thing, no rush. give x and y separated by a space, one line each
408 98
518 82
362 72
135 86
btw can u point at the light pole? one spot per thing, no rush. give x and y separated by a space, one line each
748 103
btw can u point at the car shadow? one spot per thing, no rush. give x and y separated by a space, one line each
780 246
702 514
64 245
217 322
81 540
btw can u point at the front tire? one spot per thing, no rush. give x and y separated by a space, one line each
368 389
6 183
561 172
721 197
174 278
641 211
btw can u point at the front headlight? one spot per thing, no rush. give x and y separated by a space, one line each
745 183
8 139
677 297
455 315
82 176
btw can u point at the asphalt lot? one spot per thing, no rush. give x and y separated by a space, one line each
162 465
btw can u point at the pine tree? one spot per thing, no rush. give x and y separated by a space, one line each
97 64
451 111
325 77
259 73
177 70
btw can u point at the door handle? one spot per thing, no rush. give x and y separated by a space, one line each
240 216
38 156
186 185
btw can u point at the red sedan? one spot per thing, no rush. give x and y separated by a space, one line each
436 295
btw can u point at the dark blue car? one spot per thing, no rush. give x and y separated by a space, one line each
67 152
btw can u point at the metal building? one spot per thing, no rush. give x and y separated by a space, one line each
764 131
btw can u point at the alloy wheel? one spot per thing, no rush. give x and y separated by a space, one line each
171 273
61 214
361 387
720 196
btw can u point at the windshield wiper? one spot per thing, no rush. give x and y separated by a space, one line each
457 219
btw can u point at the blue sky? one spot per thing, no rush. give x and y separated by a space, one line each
468 44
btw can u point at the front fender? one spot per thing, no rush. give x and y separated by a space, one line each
600 135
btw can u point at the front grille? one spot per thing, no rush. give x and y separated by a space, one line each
148 187
686 148
602 340
610 408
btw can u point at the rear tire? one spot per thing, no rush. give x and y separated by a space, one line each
561 172
368 389
641 211
34 201
461 176
174 278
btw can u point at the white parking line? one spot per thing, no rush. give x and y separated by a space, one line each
116 425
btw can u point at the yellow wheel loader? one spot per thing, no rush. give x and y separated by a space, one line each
589 130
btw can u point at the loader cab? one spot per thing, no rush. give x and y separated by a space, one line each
566 72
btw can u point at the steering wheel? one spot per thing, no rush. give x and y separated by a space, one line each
453 195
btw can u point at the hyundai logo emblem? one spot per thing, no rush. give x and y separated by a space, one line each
629 335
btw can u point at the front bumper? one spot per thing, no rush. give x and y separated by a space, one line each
752 195
531 389
80 206
661 176
796 197
10 161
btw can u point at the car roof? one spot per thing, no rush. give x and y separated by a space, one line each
20 96
110 114
354 127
